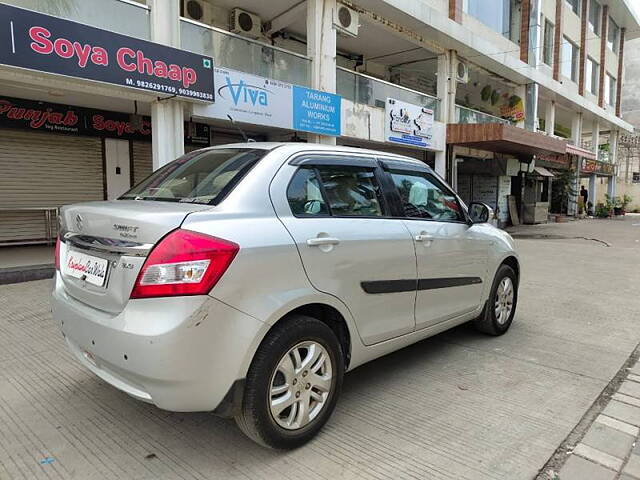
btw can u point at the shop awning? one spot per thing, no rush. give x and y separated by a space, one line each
543 172
501 138
581 152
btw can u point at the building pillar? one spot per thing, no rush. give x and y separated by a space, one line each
448 89
576 139
167 115
321 47
443 91
550 118
531 107
593 194
614 137
595 138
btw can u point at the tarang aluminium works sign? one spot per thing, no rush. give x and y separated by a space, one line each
408 124
49 44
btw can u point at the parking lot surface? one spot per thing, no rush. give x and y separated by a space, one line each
456 406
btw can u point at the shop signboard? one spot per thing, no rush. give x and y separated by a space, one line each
316 112
56 118
594 166
258 100
49 44
250 99
408 124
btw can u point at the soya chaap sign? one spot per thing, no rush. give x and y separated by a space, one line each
49 44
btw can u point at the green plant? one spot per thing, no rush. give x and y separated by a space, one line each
602 211
563 189
626 201
610 202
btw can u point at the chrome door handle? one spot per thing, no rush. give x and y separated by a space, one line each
423 237
316 242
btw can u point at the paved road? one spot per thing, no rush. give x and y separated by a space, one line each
457 406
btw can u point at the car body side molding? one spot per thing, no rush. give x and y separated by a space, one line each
397 286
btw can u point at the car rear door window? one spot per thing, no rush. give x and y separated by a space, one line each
424 197
304 194
351 191
341 191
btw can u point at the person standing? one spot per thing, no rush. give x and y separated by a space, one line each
584 193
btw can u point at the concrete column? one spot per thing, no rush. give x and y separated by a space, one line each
593 194
321 47
443 80
550 118
452 88
167 116
595 138
614 136
576 139
531 107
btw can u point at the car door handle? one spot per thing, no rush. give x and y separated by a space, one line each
424 237
318 241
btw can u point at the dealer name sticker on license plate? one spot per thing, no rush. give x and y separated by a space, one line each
89 268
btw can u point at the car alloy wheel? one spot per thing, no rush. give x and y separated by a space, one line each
300 385
504 300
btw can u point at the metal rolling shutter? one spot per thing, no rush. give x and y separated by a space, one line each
40 169
142 161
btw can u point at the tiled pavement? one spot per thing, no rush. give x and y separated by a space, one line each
610 449
459 406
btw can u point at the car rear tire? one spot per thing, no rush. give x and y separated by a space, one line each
293 383
498 312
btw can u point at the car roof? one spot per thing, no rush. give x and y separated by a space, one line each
300 147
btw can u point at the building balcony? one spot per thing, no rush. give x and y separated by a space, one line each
467 115
243 54
366 90
121 16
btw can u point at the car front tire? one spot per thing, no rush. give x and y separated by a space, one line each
293 383
498 312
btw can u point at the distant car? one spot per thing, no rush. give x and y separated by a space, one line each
246 279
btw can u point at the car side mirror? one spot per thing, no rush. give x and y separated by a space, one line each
480 212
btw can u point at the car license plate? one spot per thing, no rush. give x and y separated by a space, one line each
87 267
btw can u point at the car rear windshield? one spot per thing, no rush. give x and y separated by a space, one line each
203 176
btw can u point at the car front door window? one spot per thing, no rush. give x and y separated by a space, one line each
422 197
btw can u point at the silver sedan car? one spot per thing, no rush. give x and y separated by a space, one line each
246 279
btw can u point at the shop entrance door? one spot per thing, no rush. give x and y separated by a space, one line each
117 166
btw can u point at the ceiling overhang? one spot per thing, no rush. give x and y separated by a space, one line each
506 139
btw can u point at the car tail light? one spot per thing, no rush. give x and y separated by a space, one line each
58 253
184 263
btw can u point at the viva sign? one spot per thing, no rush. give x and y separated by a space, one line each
247 94
262 101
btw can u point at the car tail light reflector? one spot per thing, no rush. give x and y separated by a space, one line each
184 263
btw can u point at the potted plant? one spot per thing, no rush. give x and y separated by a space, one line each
601 210
610 204
625 201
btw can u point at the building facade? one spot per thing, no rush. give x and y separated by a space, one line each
504 98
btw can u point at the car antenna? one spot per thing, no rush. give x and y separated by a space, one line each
244 135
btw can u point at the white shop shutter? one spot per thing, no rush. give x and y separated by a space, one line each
142 161
39 169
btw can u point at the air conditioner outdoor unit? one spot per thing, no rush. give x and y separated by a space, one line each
198 10
462 72
346 20
245 23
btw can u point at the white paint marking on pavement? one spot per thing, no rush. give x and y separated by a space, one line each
621 397
618 425
590 453
634 377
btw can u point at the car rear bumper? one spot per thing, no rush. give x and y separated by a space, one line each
179 353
